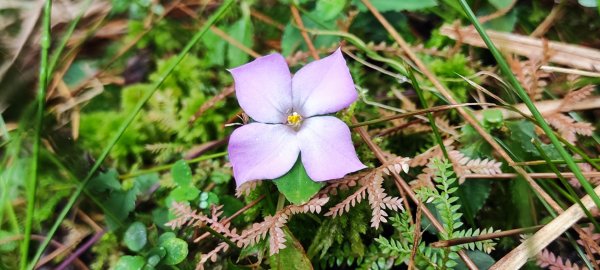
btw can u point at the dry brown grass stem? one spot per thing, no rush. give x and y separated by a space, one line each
266 19
536 243
545 25
532 175
499 13
560 53
570 71
481 237
298 20
234 42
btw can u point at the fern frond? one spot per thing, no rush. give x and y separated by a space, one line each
246 188
486 246
547 259
371 187
568 128
575 96
273 225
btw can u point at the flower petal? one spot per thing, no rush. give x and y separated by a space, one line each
261 151
263 88
323 86
326 148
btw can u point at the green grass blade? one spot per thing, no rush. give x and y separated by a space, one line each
63 42
211 21
534 111
31 186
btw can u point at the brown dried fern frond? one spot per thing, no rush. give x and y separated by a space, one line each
530 76
273 225
464 165
575 96
547 259
585 167
186 216
568 127
211 255
371 187
246 188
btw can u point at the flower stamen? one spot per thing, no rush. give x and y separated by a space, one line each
294 119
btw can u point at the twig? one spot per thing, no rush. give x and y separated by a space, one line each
464 240
570 71
542 162
532 175
168 166
417 112
262 17
536 243
299 22
545 25
75 255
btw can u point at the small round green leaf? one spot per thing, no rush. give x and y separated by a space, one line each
177 250
136 237
130 263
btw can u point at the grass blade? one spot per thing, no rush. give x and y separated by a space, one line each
211 21
31 186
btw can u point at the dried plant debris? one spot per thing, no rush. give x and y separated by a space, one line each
370 187
566 125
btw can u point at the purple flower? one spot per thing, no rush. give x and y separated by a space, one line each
291 119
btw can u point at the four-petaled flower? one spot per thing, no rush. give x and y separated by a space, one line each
291 119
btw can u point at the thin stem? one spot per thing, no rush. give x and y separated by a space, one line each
41 96
211 21
554 161
488 236
534 111
413 113
168 166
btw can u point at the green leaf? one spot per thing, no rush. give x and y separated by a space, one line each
177 251
476 193
296 186
136 236
105 181
120 204
182 174
7 246
492 117
241 31
505 23
292 257
329 9
181 194
394 5
500 4
130 263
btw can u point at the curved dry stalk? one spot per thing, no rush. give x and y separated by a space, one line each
540 240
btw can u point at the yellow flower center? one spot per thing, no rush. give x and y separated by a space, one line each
294 119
